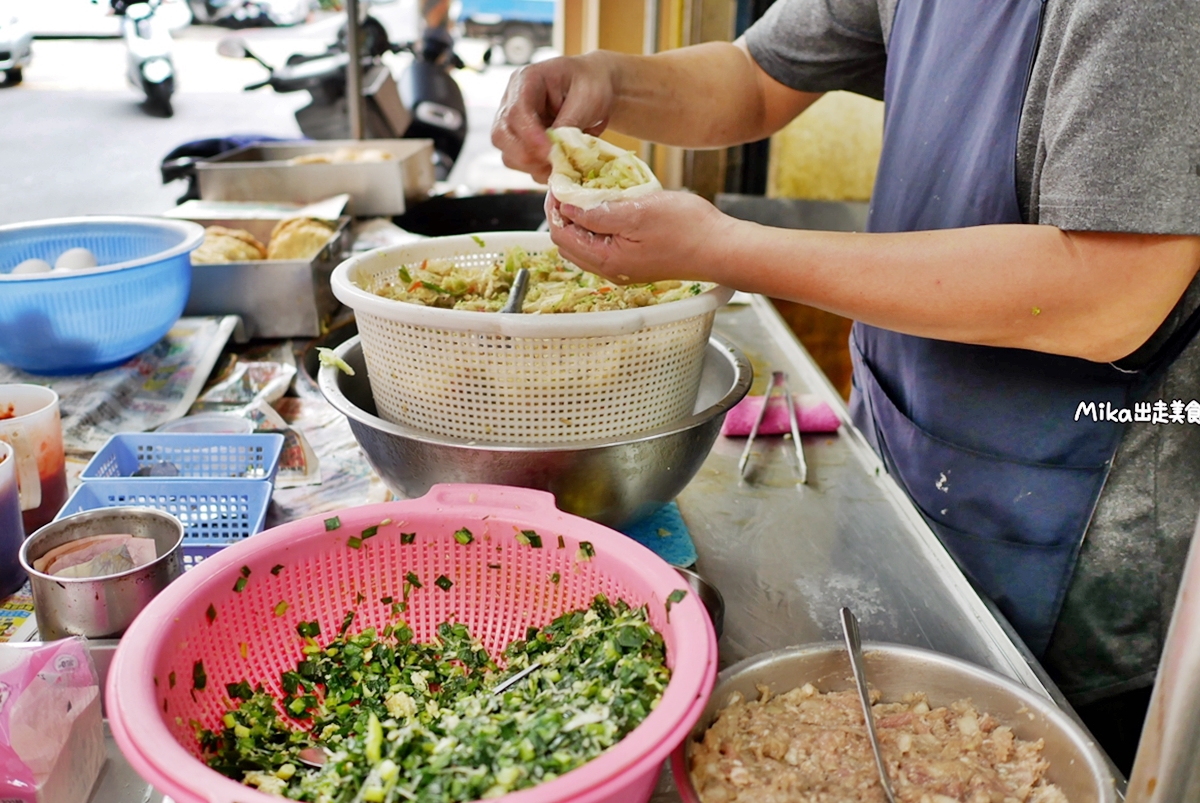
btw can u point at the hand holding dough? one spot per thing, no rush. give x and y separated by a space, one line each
586 171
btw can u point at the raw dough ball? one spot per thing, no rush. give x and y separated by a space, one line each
75 259
32 266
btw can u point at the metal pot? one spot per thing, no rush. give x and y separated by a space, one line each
1076 764
100 607
614 482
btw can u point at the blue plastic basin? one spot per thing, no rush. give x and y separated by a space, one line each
88 320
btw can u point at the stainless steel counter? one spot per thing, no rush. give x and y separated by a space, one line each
787 556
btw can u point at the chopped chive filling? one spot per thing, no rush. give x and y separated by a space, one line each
443 582
276 569
408 538
171 679
199 676
463 536
240 585
281 608
561 543
211 613
332 524
586 551
406 721
413 580
354 542
309 629
245 571
370 531
554 578
529 538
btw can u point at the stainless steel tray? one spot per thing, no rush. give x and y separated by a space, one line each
274 297
262 173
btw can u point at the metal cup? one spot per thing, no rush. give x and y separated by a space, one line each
101 607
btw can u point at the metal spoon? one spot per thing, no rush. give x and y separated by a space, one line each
516 295
500 687
854 647
313 756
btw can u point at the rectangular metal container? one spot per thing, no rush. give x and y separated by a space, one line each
274 297
262 172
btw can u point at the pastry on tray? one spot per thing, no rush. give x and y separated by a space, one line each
298 238
227 245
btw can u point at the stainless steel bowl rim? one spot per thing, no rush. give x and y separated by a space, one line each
1028 697
101 513
744 376
192 233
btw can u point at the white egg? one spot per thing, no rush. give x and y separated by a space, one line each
75 259
32 266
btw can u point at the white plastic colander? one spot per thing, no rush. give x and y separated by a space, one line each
486 376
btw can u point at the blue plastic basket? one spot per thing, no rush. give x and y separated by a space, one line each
215 513
192 455
86 320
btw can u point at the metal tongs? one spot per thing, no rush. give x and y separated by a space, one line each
778 381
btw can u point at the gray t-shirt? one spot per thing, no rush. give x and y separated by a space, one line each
1109 140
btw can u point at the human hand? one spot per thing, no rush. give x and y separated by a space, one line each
567 91
663 235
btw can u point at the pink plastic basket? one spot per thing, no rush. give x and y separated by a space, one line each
151 699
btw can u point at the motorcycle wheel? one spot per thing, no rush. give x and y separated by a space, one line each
518 45
158 97
13 77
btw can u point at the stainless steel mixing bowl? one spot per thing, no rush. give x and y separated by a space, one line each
614 482
1076 764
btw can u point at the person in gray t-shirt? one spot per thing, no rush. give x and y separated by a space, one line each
1080 117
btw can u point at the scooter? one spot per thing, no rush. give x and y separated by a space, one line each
427 102
149 66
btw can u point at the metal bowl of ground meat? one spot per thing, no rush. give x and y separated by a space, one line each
787 726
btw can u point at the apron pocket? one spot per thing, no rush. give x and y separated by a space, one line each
1015 528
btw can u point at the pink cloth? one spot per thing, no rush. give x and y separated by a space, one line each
813 415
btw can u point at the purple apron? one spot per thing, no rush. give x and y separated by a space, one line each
983 439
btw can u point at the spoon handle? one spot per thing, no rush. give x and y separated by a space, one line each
854 647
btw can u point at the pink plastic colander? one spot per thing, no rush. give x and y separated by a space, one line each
151 700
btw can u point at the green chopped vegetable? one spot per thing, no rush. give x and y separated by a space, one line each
405 276
554 578
245 571
478 240
385 600
354 542
240 585
199 676
276 569
171 679
211 613
493 565
529 538
561 543
408 538
370 531
407 721
586 551
413 580
463 536
330 358
443 582
309 629
281 608
332 524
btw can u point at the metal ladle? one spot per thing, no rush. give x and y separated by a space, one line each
854 647
516 295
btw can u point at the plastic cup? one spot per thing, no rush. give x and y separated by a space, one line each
30 423
12 531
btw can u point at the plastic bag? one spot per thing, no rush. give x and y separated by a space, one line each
51 729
